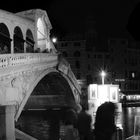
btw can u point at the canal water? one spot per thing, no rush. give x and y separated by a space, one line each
38 123
128 116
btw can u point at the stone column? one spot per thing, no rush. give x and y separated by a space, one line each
7 123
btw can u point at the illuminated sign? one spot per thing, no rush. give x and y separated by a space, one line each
103 93
120 80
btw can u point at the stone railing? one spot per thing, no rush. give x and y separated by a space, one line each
15 62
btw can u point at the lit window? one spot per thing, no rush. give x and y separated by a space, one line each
77 63
133 75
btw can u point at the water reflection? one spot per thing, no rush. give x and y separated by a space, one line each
128 121
128 117
42 125
37 125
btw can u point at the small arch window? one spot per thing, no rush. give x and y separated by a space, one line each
5 40
18 40
29 41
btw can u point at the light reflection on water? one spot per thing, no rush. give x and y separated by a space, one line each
128 117
37 124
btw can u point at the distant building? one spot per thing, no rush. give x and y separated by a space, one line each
74 51
88 54
125 63
121 61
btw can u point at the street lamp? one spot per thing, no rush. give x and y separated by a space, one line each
103 74
54 39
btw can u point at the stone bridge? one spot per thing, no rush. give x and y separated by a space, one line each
27 59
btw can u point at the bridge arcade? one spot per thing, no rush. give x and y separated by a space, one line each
27 56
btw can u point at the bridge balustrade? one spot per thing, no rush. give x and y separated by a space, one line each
9 61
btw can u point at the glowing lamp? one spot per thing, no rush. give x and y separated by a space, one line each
54 39
103 74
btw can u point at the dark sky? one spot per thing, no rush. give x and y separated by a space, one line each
69 15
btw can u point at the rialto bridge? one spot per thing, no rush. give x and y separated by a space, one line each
28 59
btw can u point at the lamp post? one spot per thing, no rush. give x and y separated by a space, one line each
103 74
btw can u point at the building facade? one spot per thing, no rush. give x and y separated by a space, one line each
120 60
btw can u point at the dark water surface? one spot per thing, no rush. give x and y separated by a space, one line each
37 123
40 124
128 117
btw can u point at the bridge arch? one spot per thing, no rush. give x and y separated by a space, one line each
29 41
5 44
48 74
41 36
18 40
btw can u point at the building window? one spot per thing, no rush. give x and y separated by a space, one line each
107 56
125 61
62 44
123 42
89 79
89 67
111 50
78 75
112 42
132 74
88 55
77 64
77 44
99 56
65 54
77 54
66 44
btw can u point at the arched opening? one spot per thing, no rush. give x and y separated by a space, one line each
5 41
41 36
52 86
46 107
18 40
29 42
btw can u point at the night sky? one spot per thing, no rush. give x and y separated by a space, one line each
68 16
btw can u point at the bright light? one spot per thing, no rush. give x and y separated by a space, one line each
103 74
133 75
54 39
103 93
